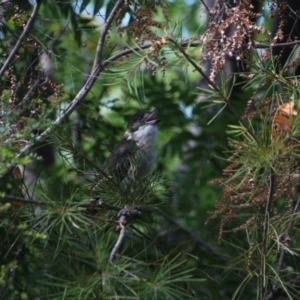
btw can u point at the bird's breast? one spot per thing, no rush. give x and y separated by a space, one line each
145 152
146 162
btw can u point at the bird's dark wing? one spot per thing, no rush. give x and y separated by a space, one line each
121 158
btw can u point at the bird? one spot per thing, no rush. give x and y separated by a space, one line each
135 153
133 158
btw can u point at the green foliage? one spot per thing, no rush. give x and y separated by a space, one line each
21 254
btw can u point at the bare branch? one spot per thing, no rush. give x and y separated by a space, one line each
118 244
125 216
21 38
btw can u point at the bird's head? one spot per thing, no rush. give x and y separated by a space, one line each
142 127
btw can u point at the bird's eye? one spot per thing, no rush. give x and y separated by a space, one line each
140 118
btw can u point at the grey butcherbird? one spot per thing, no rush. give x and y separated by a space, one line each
134 155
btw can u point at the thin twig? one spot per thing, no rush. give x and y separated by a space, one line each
143 47
262 275
17 46
98 65
206 7
296 13
104 31
27 96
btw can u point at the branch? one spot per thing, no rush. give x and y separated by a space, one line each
296 13
21 38
105 29
125 215
206 7
19 199
27 96
120 239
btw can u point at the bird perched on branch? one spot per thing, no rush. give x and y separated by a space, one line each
136 151
134 155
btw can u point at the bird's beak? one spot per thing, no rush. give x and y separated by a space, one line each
151 119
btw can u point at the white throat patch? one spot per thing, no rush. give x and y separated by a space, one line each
144 137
